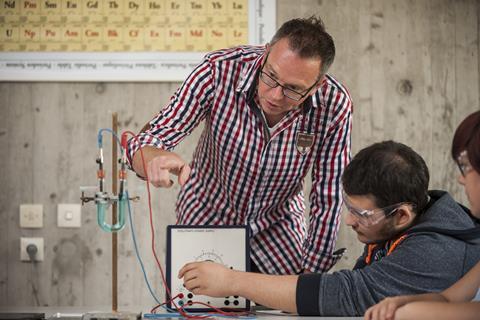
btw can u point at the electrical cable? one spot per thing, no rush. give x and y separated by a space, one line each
152 230
100 139
181 312
134 238
32 251
122 145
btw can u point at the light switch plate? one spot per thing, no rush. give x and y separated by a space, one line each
69 215
31 216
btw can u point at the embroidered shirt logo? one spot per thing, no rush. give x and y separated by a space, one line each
304 142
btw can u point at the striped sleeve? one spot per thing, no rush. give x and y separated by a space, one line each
187 108
325 197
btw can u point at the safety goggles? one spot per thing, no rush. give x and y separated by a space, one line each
463 163
373 216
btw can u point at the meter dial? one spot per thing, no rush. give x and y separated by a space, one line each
210 256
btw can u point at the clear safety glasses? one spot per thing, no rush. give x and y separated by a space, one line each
463 163
371 217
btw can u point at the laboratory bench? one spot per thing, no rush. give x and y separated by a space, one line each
100 313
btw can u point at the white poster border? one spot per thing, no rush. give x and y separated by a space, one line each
125 66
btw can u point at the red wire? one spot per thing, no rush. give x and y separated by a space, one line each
152 230
180 295
220 311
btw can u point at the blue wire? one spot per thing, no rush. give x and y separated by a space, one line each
100 144
134 238
172 313
99 137
137 252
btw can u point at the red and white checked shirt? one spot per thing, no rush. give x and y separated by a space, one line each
243 175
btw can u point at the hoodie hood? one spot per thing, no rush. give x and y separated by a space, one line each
443 212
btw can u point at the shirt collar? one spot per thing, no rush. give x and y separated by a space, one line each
250 71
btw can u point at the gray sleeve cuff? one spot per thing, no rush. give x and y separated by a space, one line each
307 294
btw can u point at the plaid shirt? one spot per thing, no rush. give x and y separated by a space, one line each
244 175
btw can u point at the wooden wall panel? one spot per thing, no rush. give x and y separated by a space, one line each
412 68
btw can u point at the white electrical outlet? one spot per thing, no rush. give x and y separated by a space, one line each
31 216
69 215
25 242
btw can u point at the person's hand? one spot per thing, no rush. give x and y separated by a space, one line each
160 167
385 310
207 278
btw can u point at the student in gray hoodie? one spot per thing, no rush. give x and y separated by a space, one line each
461 301
413 244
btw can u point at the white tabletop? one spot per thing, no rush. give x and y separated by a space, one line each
72 313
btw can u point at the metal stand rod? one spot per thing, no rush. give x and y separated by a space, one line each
114 216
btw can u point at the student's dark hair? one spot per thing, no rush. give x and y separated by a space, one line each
389 171
467 137
308 38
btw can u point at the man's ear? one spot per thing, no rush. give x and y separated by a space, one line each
404 217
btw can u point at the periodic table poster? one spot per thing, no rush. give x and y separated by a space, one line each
123 40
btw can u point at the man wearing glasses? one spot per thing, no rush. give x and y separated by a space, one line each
416 241
271 114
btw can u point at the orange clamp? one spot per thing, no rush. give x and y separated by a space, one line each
100 174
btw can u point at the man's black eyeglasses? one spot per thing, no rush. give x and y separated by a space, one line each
287 92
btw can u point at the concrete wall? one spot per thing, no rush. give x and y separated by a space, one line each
410 65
